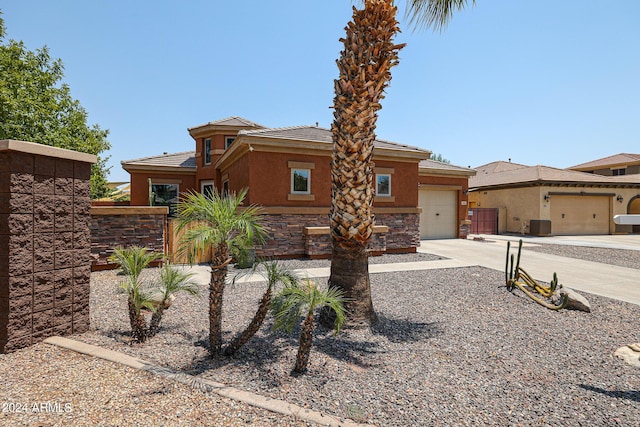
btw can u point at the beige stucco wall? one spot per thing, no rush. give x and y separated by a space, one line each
517 206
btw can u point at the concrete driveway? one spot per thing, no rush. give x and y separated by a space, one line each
591 276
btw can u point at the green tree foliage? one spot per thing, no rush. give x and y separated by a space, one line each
36 106
438 158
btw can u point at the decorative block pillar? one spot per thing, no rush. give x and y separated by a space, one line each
45 242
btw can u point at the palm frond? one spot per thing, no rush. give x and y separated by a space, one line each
210 221
173 280
303 298
134 259
434 14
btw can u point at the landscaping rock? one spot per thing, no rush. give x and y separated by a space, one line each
630 354
576 301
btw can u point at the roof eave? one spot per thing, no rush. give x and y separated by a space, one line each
446 172
158 168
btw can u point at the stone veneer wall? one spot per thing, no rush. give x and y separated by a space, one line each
44 243
404 231
287 237
125 226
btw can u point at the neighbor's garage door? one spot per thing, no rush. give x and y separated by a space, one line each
439 217
574 215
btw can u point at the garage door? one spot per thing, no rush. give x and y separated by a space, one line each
439 217
575 215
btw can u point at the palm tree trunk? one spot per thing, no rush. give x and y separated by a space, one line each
244 337
154 324
364 66
306 339
138 324
216 293
350 273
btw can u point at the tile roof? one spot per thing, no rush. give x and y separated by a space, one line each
499 166
616 159
434 165
319 134
233 121
185 159
493 175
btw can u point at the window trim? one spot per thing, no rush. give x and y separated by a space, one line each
308 173
227 144
617 171
153 182
206 182
207 152
378 193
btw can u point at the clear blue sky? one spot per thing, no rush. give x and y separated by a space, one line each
541 82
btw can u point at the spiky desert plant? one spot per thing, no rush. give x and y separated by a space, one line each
303 299
274 273
220 221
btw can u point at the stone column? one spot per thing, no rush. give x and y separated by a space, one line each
45 241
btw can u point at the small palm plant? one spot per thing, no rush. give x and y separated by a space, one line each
303 299
172 281
151 296
132 261
274 273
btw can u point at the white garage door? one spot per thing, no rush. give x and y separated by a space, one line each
439 217
575 215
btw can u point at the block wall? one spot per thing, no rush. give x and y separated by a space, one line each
113 227
44 247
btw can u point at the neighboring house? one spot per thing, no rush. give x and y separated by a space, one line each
616 165
442 196
542 200
287 172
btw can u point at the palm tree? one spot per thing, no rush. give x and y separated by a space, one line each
132 261
364 74
215 223
302 299
152 296
172 281
274 273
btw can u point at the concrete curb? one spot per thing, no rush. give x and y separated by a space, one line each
253 399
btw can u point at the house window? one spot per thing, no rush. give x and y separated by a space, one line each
165 195
300 181
618 172
207 151
207 188
225 188
383 185
228 140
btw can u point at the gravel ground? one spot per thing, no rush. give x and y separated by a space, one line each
295 264
48 386
619 257
452 347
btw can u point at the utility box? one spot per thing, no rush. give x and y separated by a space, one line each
540 227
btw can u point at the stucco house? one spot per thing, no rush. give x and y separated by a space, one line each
542 200
615 165
287 172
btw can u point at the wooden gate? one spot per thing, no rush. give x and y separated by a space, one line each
173 245
484 220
